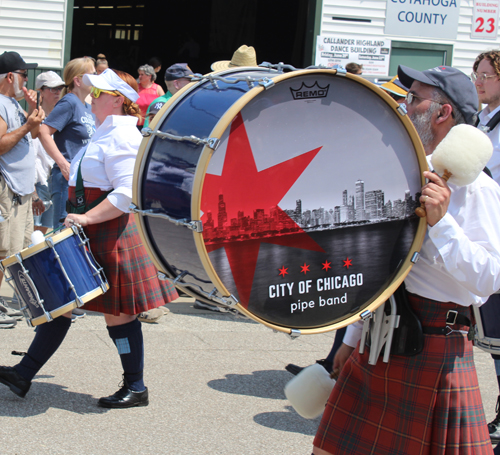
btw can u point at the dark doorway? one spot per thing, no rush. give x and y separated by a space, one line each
198 32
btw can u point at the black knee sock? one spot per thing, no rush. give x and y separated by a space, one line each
48 338
129 342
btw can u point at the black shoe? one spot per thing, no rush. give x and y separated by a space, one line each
294 369
125 398
12 379
494 427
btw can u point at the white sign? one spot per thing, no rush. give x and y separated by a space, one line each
423 18
485 22
371 52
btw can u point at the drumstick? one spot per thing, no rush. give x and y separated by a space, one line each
460 157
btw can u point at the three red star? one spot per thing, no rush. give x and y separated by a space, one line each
245 189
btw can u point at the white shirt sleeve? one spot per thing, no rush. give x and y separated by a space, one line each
472 259
353 334
119 165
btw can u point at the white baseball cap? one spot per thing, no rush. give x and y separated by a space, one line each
109 80
48 79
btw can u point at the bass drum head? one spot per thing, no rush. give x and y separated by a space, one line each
308 202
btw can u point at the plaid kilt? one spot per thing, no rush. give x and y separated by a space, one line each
426 404
132 277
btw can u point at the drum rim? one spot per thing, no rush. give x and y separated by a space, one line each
69 306
32 250
204 160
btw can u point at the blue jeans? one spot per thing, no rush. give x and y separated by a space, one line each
46 218
58 187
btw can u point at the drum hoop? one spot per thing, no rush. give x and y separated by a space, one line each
202 167
146 145
481 340
70 305
32 250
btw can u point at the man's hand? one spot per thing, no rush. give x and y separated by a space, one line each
38 207
35 119
436 197
341 357
30 97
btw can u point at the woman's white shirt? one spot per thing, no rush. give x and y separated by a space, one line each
109 159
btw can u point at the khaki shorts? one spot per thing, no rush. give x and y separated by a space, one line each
16 224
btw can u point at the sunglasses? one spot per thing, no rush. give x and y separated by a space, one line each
54 90
22 73
96 92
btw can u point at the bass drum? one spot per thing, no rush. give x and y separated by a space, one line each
288 196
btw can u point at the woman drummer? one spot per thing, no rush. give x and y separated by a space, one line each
102 172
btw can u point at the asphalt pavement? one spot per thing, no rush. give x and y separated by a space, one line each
215 382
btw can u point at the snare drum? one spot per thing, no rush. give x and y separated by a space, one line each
289 196
55 276
487 318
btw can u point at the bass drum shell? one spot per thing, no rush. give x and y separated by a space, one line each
487 318
307 204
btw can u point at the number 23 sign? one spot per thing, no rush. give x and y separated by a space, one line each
485 19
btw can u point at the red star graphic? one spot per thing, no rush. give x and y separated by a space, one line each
283 271
327 265
305 268
245 189
347 263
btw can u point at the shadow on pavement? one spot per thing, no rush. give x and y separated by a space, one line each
288 421
262 384
42 397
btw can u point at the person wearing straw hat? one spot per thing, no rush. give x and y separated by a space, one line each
243 56
100 194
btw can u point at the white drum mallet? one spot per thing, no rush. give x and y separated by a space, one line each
460 157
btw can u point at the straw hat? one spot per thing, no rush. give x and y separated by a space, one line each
395 86
244 56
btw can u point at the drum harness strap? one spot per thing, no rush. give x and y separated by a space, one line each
490 125
81 207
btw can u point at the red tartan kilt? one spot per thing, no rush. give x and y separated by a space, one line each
426 404
132 277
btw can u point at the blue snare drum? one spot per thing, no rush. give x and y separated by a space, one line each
288 196
487 317
55 276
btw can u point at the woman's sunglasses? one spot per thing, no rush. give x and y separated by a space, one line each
96 92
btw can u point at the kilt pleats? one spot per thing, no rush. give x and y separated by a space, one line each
132 276
428 404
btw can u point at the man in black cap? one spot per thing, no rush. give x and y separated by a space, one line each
17 155
429 402
176 77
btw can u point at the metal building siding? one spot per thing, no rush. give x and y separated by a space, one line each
35 29
465 49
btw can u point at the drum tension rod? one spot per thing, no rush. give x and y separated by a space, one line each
211 142
402 110
415 257
194 225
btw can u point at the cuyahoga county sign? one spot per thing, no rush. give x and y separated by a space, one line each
425 18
